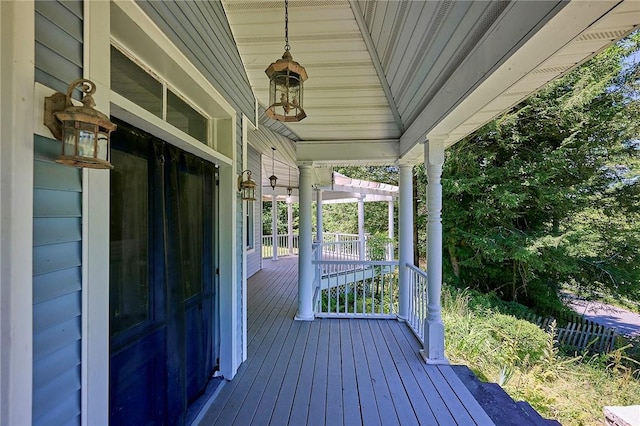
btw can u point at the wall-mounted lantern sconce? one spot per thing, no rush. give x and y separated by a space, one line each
247 187
84 131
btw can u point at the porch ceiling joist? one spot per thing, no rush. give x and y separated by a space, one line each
339 152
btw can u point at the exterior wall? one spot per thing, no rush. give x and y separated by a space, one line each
254 256
57 255
57 230
59 34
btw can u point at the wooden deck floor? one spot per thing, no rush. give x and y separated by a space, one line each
333 371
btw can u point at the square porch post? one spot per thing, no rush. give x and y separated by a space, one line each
305 256
405 235
433 351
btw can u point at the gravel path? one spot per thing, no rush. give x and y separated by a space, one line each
625 322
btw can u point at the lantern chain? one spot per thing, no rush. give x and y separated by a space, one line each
286 26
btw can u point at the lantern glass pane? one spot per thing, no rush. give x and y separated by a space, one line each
69 138
86 139
249 193
103 146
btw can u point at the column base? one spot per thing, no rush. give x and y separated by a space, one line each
430 361
433 352
300 317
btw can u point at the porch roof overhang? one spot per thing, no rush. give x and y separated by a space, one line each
386 76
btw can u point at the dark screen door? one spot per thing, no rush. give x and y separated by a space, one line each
163 324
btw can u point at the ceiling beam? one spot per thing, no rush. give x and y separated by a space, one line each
348 151
368 41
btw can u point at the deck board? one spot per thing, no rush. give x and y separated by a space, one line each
370 414
333 371
350 402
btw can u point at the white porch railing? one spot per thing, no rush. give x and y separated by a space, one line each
356 289
340 250
336 237
347 285
283 245
418 300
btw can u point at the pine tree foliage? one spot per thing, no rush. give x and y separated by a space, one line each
547 194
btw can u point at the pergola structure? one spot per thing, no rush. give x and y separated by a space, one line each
342 190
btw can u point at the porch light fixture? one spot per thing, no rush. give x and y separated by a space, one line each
286 78
273 178
247 187
84 131
289 188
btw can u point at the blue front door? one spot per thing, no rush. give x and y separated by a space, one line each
163 259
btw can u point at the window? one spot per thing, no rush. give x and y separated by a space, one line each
185 118
135 84
151 93
248 222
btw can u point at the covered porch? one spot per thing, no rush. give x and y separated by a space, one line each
333 371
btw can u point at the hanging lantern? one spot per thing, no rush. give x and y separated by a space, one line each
247 187
273 179
84 131
286 78
289 189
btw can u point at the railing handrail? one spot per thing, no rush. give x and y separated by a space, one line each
417 270
354 262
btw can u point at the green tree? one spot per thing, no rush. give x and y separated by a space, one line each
547 194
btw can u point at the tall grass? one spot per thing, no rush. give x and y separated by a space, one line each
527 362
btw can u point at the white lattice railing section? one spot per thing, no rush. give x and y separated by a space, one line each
283 245
356 289
418 300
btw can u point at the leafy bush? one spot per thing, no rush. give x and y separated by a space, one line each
483 332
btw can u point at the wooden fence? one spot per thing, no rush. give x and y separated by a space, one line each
580 333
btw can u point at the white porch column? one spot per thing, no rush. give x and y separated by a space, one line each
434 329
390 254
289 225
361 225
405 235
274 225
319 226
305 256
